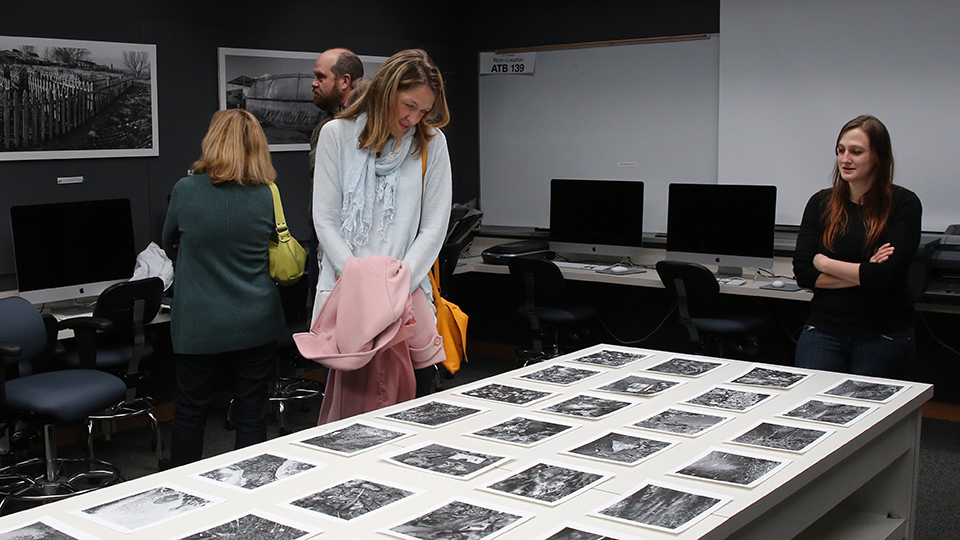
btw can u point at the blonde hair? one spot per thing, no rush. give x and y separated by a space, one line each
402 71
235 150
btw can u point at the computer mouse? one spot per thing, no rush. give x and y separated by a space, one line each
618 269
777 284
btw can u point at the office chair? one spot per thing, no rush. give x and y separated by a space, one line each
697 293
285 389
460 235
69 395
129 306
549 307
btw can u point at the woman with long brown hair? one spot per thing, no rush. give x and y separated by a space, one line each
854 248
383 187
226 315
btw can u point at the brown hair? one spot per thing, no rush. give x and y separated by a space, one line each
402 71
235 150
876 203
347 64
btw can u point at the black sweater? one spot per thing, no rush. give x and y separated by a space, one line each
882 303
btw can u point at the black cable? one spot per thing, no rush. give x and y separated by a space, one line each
622 342
923 318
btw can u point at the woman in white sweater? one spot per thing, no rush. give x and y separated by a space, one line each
382 182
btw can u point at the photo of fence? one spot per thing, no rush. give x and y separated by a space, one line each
276 87
76 99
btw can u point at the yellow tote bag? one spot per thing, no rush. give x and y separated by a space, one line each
451 325
287 257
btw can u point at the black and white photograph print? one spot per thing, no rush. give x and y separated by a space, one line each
687 366
677 421
775 436
462 519
276 87
351 499
502 393
611 358
733 468
354 439
63 98
866 390
523 431
569 530
620 448
560 375
547 482
638 385
445 460
257 471
729 399
46 528
663 507
587 406
435 413
147 508
828 412
768 377
255 525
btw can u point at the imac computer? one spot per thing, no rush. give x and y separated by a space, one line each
596 217
67 251
730 226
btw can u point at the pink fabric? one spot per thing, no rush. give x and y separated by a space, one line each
367 334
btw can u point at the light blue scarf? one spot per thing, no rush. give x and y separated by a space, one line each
371 178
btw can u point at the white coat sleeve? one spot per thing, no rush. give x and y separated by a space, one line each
437 198
328 196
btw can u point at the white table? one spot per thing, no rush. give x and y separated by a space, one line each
846 486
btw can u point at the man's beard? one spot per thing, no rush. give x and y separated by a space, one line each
330 101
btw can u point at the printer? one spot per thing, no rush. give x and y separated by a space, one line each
943 268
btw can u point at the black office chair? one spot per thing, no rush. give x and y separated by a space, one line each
697 293
459 236
48 398
129 306
289 385
549 307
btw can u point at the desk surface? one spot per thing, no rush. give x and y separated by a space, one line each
782 266
877 451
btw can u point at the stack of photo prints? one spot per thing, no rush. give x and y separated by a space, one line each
590 435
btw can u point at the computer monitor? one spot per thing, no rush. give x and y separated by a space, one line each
65 251
596 217
731 226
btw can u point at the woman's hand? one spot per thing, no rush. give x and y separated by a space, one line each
883 253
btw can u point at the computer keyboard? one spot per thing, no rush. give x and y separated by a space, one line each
71 313
731 281
581 265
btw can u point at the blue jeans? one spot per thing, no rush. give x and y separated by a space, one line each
885 355
200 377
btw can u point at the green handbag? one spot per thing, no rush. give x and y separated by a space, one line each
287 257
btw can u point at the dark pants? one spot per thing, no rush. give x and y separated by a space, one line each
886 355
200 377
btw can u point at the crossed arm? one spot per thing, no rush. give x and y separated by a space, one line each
840 274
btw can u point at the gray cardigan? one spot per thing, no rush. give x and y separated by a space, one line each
224 297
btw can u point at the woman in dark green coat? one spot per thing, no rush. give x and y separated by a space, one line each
226 315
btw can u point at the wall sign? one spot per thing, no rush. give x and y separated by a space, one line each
507 64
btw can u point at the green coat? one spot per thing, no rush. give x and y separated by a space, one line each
224 297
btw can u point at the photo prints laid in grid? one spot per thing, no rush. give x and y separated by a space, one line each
354 439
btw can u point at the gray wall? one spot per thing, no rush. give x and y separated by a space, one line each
187 35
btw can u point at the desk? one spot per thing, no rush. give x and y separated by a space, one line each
847 484
782 266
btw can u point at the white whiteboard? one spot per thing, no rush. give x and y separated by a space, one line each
792 73
587 111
